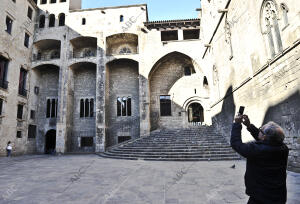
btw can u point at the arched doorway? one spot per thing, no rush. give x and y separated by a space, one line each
195 113
50 143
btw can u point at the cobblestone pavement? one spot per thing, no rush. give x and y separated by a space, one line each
92 179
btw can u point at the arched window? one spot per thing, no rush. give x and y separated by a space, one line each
53 108
91 107
87 105
51 20
61 18
48 108
205 82
81 108
42 21
121 18
270 28
285 11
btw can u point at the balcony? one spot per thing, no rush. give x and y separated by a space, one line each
3 84
46 56
46 50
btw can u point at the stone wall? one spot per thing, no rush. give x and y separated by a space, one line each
123 81
245 73
12 48
84 88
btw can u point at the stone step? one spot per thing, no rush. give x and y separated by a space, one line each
199 144
173 152
169 148
173 149
170 159
172 156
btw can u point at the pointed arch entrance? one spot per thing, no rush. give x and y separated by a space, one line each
195 113
50 141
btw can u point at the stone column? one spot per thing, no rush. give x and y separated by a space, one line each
100 102
144 106
62 116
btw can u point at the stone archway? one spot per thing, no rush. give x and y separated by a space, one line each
195 113
50 141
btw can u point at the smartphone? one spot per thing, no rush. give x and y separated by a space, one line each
241 110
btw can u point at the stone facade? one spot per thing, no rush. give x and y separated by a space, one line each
15 23
99 76
253 58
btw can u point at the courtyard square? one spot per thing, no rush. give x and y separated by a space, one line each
93 179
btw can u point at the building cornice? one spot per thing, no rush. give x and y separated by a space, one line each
172 23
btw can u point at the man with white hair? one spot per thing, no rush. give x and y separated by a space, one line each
267 157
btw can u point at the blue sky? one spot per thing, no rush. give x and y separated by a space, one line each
157 9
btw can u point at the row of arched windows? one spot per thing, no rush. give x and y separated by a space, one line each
86 108
51 1
61 20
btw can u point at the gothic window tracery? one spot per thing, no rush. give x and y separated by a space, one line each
125 50
270 28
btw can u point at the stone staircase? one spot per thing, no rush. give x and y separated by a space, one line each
194 144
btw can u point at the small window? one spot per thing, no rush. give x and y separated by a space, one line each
3 72
13 1
169 35
51 20
19 134
43 1
205 82
26 40
53 108
32 114
187 71
52 1
42 21
121 18
9 23
87 141
1 106
61 18
83 21
20 111
124 106
165 105
91 107
191 34
32 131
63 1
81 108
48 108
22 82
29 13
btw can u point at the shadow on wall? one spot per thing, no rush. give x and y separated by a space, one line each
287 115
223 121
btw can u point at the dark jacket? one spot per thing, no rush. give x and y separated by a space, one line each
265 176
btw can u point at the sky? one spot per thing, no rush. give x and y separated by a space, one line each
157 9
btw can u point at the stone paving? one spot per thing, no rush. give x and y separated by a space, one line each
92 179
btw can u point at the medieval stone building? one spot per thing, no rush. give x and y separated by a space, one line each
81 80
